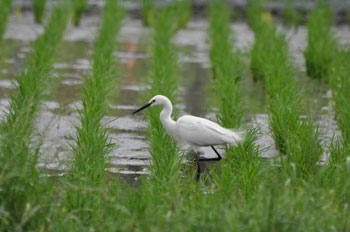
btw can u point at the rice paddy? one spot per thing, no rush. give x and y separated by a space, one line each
73 158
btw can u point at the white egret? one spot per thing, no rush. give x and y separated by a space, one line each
193 131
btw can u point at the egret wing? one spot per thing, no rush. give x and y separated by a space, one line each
202 132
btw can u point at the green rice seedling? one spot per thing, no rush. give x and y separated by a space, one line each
262 42
183 8
165 79
86 205
321 44
241 172
335 176
39 10
271 208
270 62
276 205
246 194
147 11
291 16
297 138
228 69
5 8
163 189
254 13
79 6
92 143
86 189
340 83
18 153
157 195
340 86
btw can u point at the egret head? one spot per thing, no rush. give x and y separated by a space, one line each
156 100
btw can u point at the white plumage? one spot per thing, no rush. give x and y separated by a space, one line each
191 130
202 132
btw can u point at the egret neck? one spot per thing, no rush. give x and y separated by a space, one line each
165 117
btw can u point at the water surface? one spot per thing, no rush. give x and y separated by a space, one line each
56 120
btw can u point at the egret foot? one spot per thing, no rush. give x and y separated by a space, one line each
197 160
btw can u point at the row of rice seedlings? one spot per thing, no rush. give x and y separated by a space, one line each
182 8
18 153
161 193
254 13
272 207
228 69
340 83
291 16
321 44
226 65
326 60
270 62
39 10
165 81
5 8
80 201
79 6
93 143
184 206
147 11
335 177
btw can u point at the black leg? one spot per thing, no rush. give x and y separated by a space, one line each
198 168
213 159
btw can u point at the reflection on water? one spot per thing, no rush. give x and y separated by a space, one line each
55 123
196 80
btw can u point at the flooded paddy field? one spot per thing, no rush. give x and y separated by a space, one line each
58 115
75 156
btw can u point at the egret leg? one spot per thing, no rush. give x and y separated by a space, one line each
198 168
213 159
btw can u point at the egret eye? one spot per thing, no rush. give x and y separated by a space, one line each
153 101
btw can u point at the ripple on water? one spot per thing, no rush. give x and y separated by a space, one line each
130 156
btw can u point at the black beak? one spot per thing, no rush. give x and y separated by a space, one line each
143 107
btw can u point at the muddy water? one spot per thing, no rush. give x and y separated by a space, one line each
55 122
